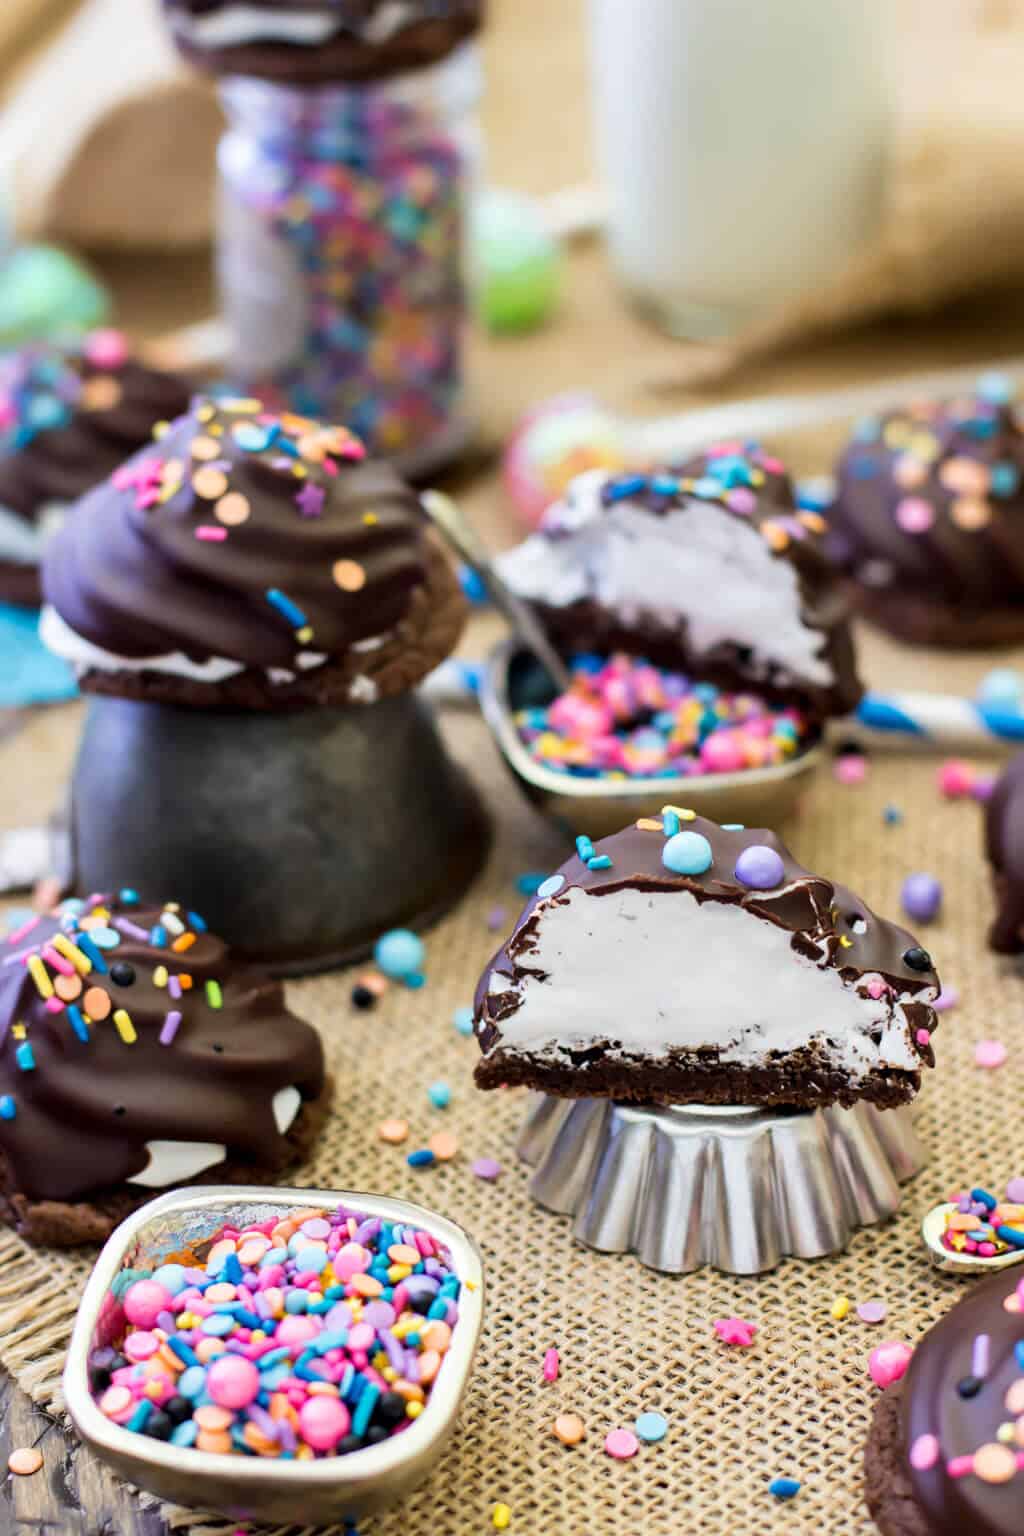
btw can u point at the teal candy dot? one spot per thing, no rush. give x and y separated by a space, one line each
688 853
463 1020
105 938
440 1095
651 1427
1004 479
399 954
551 886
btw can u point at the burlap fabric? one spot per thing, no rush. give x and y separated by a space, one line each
798 1402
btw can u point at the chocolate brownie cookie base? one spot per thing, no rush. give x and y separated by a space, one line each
425 636
73 1223
946 626
587 1074
887 1487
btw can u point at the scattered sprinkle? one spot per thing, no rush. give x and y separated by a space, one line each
444 1145
462 1018
569 1428
888 1362
421 1158
840 1308
733 1330
25 1460
850 768
393 1131
550 1366
872 1311
501 1517
990 1054
440 1095
486 1168
621 1444
651 1427
784 1487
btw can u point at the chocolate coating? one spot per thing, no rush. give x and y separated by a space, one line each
294 553
829 925
1004 845
68 418
927 521
351 41
755 490
965 1420
84 1110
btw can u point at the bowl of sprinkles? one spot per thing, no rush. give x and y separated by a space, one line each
276 1354
630 736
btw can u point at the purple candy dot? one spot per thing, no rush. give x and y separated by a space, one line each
922 898
487 1168
1015 1191
760 868
872 1311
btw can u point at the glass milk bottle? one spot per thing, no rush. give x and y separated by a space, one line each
742 144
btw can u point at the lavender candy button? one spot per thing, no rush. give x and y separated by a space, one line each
759 868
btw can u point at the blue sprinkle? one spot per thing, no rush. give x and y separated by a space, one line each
24 1057
399 953
142 1412
584 847
296 1301
732 469
8 1108
529 883
473 588
624 485
1013 1237
996 388
983 1197
553 885
651 1427
600 861
664 485
192 1381
284 605
708 487
784 1487
185 1433
863 469
1004 479
733 826
106 938
78 1023
86 945
158 937
463 1020
437 1309
218 1324
669 823
422 1158
440 1095
182 1350
196 922
867 430
273 1357
129 897
306 1372
892 816
331 1338
231 1269
364 1409
1018 1353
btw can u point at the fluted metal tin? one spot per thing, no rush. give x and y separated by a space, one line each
739 1189
600 806
251 1488
300 837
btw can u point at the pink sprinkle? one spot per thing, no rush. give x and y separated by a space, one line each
734 1330
211 535
20 933
990 1054
106 349
923 1036
877 988
888 1362
956 778
871 1311
924 1452
914 514
947 998
621 1443
772 465
53 1005
960 1466
850 768
50 955
551 1365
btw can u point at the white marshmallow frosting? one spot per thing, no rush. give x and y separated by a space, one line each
656 972
702 564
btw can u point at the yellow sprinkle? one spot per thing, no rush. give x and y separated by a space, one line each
370 519
19 1031
681 811
160 976
501 1517
470 1285
389 1373
413 1410
845 943
41 976
304 635
1006 1433
101 912
398 1272
79 959
239 405
160 428
838 1309
125 1027
647 824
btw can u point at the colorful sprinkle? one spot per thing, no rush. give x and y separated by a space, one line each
651 1427
621 1444
734 1331
487 1169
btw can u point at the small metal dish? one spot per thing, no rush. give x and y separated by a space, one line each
239 1487
511 681
952 1263
733 1187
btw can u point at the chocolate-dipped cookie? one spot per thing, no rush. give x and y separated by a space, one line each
943 1456
250 561
927 520
68 417
710 569
320 42
136 1053
683 962
1004 845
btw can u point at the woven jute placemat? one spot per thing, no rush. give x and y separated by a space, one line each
798 1402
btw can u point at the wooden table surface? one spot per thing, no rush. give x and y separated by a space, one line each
536 58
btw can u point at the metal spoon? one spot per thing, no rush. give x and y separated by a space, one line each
468 545
932 1228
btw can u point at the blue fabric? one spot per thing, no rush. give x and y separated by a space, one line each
29 674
